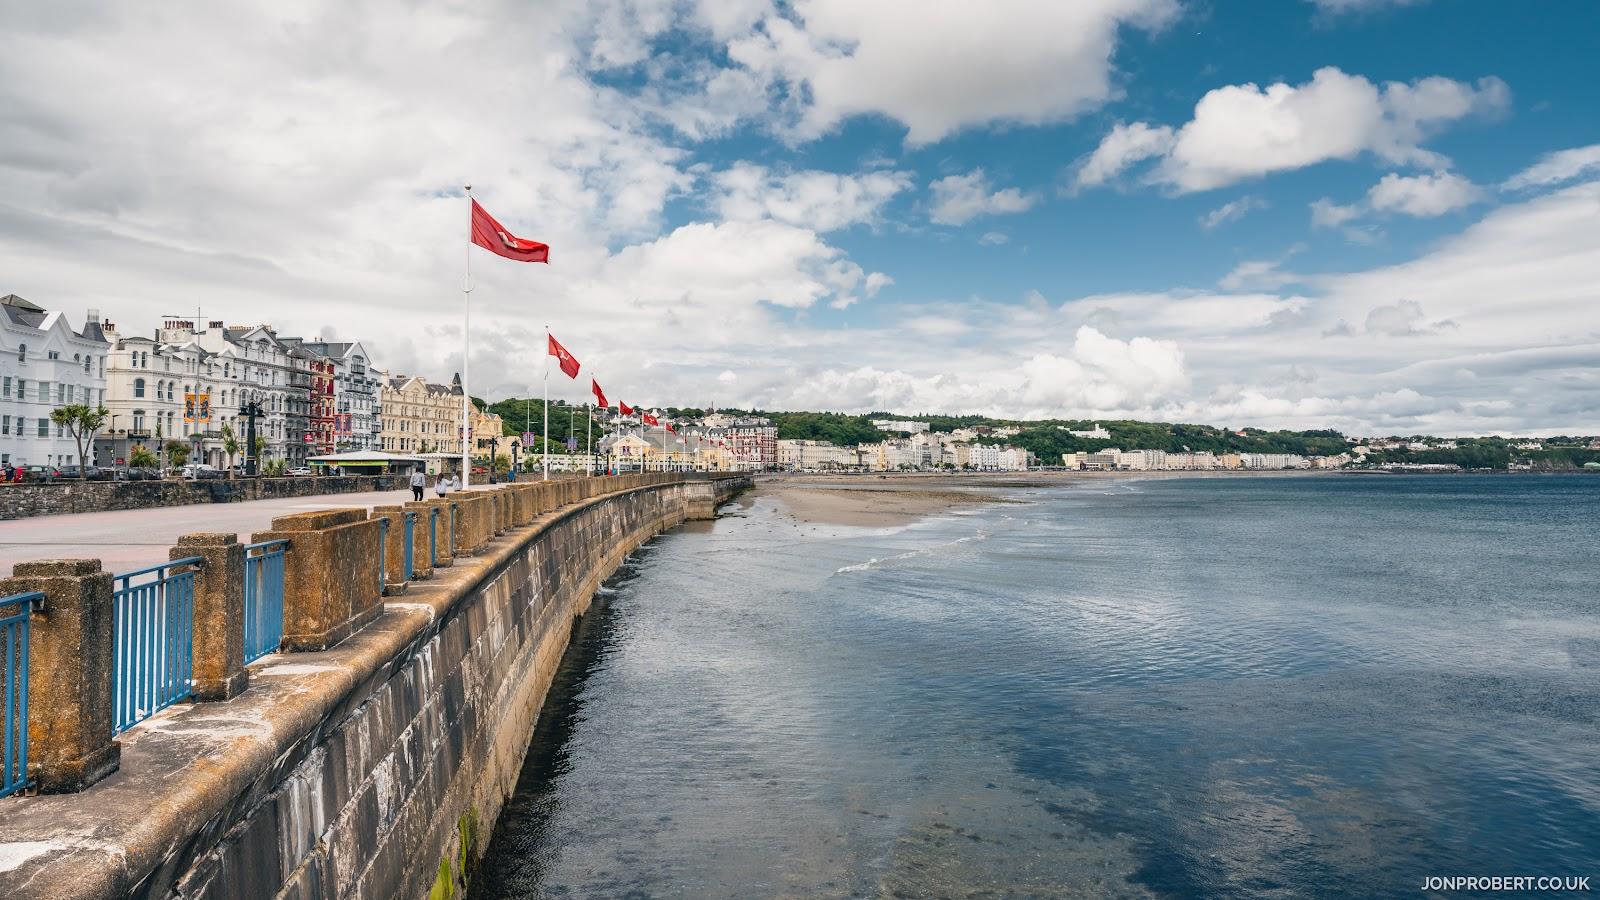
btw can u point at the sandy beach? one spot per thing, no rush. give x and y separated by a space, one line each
899 499
874 502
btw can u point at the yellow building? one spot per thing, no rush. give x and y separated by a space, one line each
419 417
487 428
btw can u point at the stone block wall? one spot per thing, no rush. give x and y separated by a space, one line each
21 501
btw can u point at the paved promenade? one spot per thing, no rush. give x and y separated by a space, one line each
132 539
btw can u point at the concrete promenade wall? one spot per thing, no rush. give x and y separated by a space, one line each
21 501
373 769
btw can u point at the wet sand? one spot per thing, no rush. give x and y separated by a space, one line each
874 504
900 499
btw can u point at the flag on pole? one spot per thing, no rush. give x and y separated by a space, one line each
668 426
599 395
492 236
649 419
569 365
624 408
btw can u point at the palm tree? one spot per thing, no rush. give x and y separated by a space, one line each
81 422
230 445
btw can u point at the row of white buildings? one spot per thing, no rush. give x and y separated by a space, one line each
923 450
1112 459
196 382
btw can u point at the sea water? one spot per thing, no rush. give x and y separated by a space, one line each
1244 686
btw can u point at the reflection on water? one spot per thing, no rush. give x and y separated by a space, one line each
1271 687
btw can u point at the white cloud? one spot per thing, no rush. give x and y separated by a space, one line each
1123 146
958 199
1232 211
993 238
1342 7
1420 196
1554 168
1258 275
1327 214
1423 196
1244 131
1402 318
1005 61
822 201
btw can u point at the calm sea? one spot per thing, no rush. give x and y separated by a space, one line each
1318 686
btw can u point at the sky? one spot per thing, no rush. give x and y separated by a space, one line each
1381 216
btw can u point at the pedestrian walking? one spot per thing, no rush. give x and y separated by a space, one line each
418 482
441 487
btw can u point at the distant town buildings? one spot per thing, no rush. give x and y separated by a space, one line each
899 425
45 363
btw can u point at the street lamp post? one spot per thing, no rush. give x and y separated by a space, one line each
494 448
250 410
515 446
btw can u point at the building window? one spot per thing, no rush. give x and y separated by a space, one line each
44 392
22 353
138 420
7 389
5 424
138 387
53 354
44 428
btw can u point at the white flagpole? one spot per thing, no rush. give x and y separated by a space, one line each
588 436
466 352
546 414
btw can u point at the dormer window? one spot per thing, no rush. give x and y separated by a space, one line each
22 353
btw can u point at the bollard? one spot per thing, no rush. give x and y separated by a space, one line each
69 683
219 668
331 576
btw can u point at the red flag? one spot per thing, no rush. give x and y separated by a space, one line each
649 419
668 426
569 365
599 395
624 408
491 236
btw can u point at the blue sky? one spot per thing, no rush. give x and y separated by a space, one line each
1375 215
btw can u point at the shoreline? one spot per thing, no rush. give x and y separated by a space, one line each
886 500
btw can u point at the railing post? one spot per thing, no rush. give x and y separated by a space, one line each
406 569
69 687
219 672
383 553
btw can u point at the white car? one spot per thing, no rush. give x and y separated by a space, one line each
301 470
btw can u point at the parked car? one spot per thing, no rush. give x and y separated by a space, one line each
135 473
41 473
200 472
301 470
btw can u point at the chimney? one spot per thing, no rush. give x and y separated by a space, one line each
94 315
216 324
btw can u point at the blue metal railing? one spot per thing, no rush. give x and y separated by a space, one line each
14 631
408 545
153 624
453 529
383 553
263 598
433 537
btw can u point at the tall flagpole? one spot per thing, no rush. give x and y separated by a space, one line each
588 436
546 412
466 352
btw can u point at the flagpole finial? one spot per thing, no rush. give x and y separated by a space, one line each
469 188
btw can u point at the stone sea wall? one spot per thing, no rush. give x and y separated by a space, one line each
21 501
372 769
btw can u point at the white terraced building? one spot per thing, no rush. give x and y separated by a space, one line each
45 364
